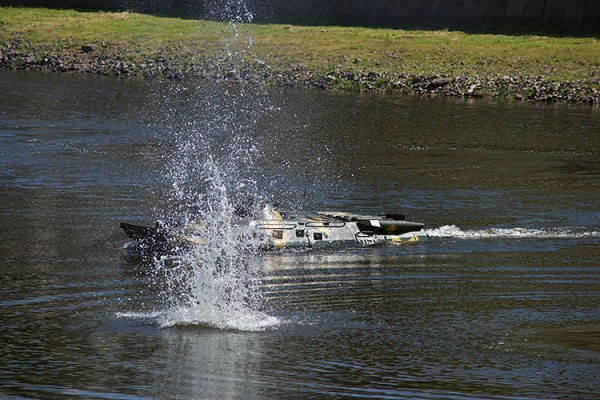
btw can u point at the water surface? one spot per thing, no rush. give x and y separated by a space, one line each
502 302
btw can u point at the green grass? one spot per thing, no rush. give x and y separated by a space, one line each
429 52
318 49
67 30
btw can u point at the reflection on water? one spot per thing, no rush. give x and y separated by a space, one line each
501 302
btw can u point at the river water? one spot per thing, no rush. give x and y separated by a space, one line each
503 301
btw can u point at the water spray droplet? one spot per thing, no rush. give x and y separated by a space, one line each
213 177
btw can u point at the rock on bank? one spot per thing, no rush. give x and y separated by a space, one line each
107 60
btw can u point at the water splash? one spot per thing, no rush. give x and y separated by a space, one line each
232 11
213 179
522 233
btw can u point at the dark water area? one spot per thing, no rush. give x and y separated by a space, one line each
501 302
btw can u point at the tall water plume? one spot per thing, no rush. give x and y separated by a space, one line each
213 179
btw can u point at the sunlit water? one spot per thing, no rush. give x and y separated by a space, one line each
501 302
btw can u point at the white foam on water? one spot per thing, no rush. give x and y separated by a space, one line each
244 320
152 315
454 231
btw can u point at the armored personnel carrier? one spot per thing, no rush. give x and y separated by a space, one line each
277 229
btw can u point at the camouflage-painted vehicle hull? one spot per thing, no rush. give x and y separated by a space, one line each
324 229
287 230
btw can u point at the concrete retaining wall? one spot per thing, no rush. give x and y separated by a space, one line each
555 15
571 16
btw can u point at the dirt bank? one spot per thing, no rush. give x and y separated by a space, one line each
104 59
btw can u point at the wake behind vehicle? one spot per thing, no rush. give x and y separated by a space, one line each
277 229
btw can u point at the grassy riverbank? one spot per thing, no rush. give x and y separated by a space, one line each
421 62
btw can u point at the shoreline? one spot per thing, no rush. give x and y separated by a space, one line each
96 60
420 63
